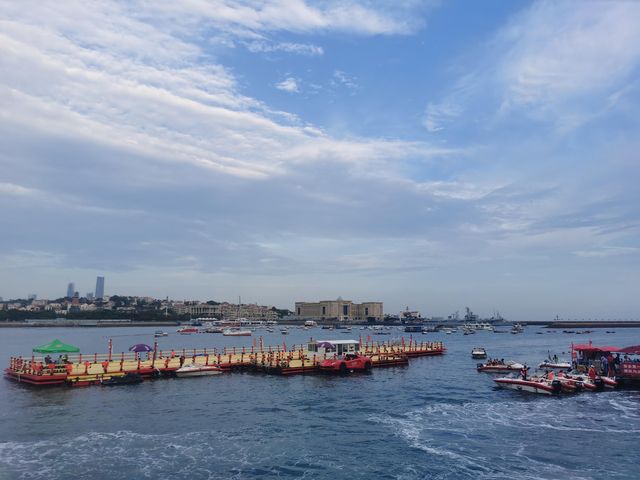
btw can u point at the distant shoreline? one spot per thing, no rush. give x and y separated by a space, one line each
68 324
34 323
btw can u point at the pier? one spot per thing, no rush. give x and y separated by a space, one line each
92 369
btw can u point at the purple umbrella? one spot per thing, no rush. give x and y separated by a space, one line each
140 347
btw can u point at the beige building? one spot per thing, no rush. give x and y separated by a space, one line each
226 311
340 310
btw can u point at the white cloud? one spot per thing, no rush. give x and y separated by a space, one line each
607 251
289 84
552 63
344 79
15 190
288 47
439 114
254 17
556 50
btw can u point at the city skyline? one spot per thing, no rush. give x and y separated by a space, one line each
425 154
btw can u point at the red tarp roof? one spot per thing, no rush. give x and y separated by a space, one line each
594 348
634 350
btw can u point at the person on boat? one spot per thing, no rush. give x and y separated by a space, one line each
524 371
592 372
604 364
555 359
48 359
611 363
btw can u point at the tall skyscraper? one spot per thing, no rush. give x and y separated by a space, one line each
99 287
71 288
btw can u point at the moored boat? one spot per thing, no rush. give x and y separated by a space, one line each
555 365
160 333
187 330
499 366
195 370
588 383
129 378
236 332
533 385
478 352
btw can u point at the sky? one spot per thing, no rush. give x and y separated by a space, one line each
427 154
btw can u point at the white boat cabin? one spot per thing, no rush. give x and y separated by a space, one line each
333 347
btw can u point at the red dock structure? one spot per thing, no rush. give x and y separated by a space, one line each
84 370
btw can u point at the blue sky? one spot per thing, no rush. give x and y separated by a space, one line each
423 153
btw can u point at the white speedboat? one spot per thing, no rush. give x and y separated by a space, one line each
284 331
236 332
496 366
214 330
533 385
478 352
554 365
160 333
195 370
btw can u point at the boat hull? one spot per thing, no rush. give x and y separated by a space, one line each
199 372
555 366
531 386
498 369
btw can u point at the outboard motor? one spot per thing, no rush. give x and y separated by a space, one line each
598 383
556 385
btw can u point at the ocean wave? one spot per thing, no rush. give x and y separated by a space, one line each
494 439
126 454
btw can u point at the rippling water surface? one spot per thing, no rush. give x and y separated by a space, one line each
436 418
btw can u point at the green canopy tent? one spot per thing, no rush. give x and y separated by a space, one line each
56 347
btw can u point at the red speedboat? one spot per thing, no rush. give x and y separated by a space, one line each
586 381
187 330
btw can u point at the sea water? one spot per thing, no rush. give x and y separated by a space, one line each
436 418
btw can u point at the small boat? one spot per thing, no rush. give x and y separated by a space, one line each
587 383
187 330
195 370
284 331
236 332
478 352
550 364
160 333
500 367
130 378
533 385
609 382
214 330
